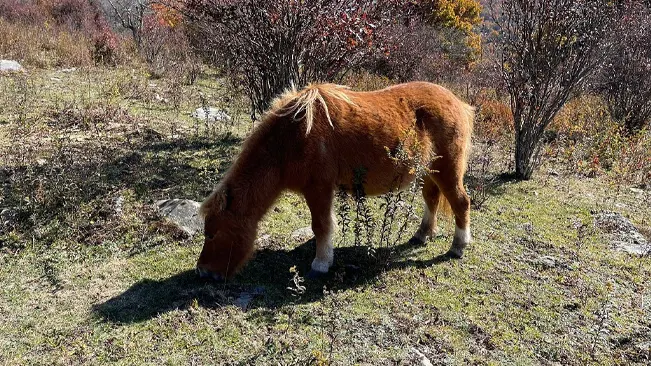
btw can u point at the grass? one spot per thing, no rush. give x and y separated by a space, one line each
88 281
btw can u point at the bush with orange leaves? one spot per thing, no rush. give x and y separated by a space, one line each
493 121
586 139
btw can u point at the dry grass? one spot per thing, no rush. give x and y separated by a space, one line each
38 46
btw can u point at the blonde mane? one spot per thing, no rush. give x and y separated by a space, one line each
294 102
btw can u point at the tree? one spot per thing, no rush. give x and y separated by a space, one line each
267 46
625 81
130 14
548 48
458 14
438 41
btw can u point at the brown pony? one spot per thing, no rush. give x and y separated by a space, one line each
313 141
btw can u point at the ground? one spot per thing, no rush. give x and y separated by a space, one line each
92 275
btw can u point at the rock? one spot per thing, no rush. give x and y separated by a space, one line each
160 99
263 240
246 297
184 213
424 361
117 205
637 190
547 261
303 234
527 226
644 347
211 114
622 233
612 222
71 69
10 66
632 248
8 219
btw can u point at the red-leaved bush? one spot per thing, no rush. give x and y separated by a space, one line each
266 46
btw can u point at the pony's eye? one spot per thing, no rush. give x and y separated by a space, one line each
208 236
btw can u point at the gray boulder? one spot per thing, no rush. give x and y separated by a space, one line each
10 66
622 233
184 213
211 114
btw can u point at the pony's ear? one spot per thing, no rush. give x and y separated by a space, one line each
218 201
222 200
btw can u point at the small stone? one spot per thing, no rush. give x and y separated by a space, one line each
184 213
527 226
303 234
547 261
644 346
246 297
10 66
637 190
158 98
424 361
8 219
71 69
263 240
117 205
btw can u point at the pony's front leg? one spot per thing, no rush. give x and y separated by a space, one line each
320 201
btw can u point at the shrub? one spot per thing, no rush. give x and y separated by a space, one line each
57 33
494 121
21 10
40 46
589 141
266 45
625 81
165 47
366 81
547 50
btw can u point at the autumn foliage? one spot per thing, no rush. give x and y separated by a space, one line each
268 46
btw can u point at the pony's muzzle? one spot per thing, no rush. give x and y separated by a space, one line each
208 275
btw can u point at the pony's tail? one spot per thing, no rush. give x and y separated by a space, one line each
468 116
444 207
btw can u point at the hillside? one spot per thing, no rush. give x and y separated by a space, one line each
92 274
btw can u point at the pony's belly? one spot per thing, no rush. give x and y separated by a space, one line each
376 181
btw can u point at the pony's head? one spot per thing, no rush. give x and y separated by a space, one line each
228 238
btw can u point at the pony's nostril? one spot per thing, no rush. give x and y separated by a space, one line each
217 277
204 273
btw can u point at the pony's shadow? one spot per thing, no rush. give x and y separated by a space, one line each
266 282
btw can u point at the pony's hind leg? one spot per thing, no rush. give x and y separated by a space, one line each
456 194
427 228
323 225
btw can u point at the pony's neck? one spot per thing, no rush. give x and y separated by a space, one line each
255 184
